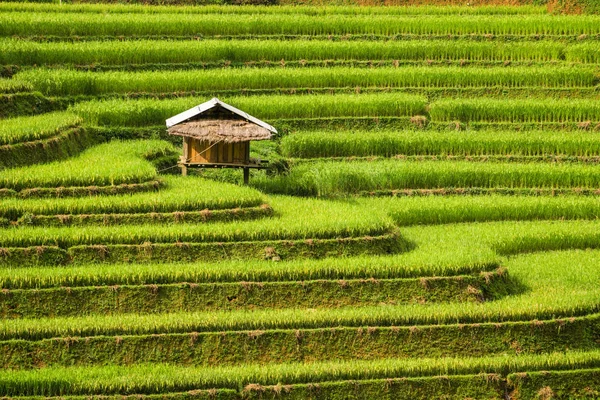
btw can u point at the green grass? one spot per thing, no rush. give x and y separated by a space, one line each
178 194
161 378
388 143
27 129
515 110
329 220
557 285
445 210
68 82
14 86
155 112
29 53
280 9
539 253
164 24
111 163
575 383
583 52
333 178
445 261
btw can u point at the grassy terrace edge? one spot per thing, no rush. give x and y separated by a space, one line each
466 307
83 24
188 217
153 298
146 379
484 385
57 82
190 251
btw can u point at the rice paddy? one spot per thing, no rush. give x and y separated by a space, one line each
167 24
154 112
426 224
333 178
303 52
390 143
64 83
94 167
28 129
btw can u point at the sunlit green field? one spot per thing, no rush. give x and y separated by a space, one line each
428 226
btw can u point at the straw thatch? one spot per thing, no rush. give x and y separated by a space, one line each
221 130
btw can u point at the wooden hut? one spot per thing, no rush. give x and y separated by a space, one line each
218 135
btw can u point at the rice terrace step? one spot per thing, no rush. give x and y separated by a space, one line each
299 199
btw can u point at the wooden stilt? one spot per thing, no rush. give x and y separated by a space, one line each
246 175
183 170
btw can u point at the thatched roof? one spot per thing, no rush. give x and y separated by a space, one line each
217 130
215 120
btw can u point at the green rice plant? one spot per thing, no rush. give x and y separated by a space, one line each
20 52
155 112
331 221
447 257
444 262
387 143
557 285
27 129
14 86
331 178
583 53
160 218
111 163
177 194
281 9
68 82
164 378
445 210
502 237
550 239
217 296
166 24
66 142
515 110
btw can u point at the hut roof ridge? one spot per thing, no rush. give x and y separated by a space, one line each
214 102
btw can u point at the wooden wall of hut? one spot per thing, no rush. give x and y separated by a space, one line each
205 152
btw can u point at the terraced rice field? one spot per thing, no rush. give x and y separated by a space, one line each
428 227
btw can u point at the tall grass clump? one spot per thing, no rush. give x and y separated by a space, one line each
107 164
445 262
155 112
583 53
21 52
167 24
69 82
27 129
163 378
448 210
176 194
14 86
328 220
280 9
386 143
515 110
547 276
331 178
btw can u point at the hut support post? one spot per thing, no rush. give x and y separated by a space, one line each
183 170
186 149
246 175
